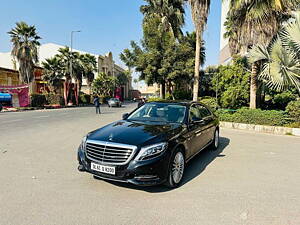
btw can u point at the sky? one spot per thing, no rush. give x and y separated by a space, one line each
106 25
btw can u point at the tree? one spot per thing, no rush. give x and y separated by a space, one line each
200 10
52 73
163 20
252 22
64 57
104 84
89 66
169 12
232 84
281 59
25 42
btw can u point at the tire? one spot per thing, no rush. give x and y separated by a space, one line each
177 163
216 141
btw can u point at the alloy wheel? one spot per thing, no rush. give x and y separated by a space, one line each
178 167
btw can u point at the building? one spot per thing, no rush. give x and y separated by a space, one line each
9 74
224 55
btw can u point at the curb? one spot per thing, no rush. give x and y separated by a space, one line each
262 128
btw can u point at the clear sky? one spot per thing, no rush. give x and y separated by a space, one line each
106 25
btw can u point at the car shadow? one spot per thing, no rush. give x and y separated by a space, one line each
193 169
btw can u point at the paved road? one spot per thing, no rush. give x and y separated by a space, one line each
251 179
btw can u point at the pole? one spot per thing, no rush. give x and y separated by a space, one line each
71 59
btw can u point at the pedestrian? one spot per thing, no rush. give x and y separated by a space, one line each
1 107
97 104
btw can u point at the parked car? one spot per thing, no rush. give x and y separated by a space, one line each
150 145
114 102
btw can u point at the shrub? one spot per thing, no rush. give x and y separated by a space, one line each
182 95
254 116
293 109
210 102
232 83
293 125
38 100
84 98
53 99
154 99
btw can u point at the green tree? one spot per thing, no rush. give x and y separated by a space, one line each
163 20
89 66
169 12
25 42
52 73
252 22
200 11
281 59
232 84
103 85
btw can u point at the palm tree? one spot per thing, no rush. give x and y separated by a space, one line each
64 57
170 14
89 65
52 73
281 59
25 44
252 22
200 11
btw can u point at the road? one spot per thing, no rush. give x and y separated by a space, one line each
252 178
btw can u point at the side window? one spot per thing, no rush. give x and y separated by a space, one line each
204 112
194 113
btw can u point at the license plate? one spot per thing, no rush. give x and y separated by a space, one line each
103 169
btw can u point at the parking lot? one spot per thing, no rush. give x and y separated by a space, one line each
251 179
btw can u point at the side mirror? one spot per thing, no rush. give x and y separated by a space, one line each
125 116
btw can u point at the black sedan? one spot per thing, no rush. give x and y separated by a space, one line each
151 145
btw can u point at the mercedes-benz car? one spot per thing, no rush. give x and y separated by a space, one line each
150 145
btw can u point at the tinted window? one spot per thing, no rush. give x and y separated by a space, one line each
160 112
194 113
204 112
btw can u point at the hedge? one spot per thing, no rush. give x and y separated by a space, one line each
38 100
255 116
293 109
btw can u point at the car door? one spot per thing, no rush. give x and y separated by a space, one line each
195 130
208 124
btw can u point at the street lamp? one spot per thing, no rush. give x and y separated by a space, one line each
71 66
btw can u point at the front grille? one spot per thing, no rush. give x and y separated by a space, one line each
109 153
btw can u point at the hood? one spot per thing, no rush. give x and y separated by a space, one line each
135 133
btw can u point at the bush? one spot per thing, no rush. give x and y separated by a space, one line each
84 98
38 100
293 109
154 99
182 95
53 99
254 116
210 102
279 101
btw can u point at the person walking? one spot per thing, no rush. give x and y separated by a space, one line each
97 104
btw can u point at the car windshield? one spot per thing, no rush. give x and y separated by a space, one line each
159 112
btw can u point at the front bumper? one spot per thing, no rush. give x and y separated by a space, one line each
142 173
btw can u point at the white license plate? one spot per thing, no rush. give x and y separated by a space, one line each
103 169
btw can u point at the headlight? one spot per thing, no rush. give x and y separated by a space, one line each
83 143
151 151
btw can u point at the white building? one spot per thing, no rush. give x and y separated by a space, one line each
224 56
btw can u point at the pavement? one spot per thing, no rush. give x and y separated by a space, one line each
251 179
